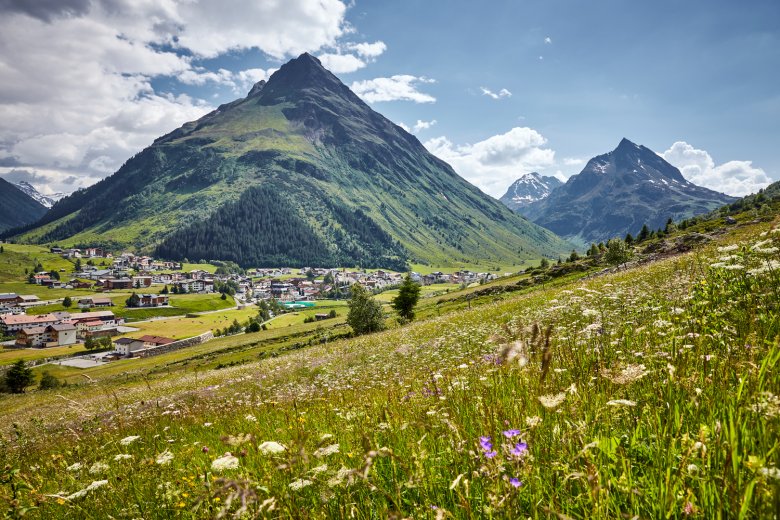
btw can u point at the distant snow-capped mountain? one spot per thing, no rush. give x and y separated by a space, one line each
45 200
527 189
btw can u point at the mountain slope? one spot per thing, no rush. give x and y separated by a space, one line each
529 188
616 193
339 171
16 207
46 200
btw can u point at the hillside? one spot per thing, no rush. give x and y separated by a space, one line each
350 186
617 193
647 392
16 207
529 188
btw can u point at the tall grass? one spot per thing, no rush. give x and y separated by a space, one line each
650 393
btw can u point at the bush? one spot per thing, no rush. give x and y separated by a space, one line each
48 382
365 313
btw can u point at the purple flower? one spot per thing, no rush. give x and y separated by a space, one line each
485 443
511 433
520 449
515 482
490 454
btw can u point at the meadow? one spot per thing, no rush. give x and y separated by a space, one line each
650 392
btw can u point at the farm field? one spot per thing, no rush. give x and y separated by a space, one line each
648 392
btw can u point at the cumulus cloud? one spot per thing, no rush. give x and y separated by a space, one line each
401 87
737 178
493 164
418 127
496 95
548 40
341 62
76 76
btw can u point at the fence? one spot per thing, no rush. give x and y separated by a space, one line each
176 345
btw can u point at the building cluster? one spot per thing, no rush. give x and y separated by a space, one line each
58 328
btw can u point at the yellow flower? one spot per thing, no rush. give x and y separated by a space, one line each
182 504
217 499
60 501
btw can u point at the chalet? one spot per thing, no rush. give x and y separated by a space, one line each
155 341
107 318
8 299
27 299
94 301
142 282
42 278
126 346
152 300
56 250
196 286
92 252
117 283
62 334
11 323
32 337
78 284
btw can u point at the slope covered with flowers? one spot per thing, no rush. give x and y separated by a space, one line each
651 392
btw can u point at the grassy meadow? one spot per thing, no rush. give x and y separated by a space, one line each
650 392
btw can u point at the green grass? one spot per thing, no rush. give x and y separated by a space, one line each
9 355
657 396
178 328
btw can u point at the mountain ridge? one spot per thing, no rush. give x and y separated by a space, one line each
617 193
327 157
529 188
16 207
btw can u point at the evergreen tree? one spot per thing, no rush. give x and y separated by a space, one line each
67 302
594 250
133 301
617 252
77 265
55 275
164 290
18 377
670 227
408 296
310 275
2 249
629 239
223 297
644 234
365 313
574 256
544 264
264 314
328 279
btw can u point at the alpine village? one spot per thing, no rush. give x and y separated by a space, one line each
292 307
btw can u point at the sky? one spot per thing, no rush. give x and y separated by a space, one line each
497 89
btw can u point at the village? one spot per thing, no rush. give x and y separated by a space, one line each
89 319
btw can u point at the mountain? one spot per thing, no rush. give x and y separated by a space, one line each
529 188
299 172
616 193
16 207
46 200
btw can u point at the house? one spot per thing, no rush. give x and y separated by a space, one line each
117 283
94 301
62 334
126 346
32 337
107 318
8 299
152 300
12 323
155 341
41 279
142 282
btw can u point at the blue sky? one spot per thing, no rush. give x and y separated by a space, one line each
497 89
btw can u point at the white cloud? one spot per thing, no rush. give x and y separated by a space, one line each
548 40
76 91
341 63
737 178
400 87
405 127
573 161
493 164
500 94
423 125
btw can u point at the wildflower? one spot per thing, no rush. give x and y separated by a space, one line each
271 448
552 401
509 434
534 421
205 449
122 456
78 494
689 509
98 467
515 482
164 458
326 450
129 440
485 443
629 374
520 449
251 418
225 462
770 472
75 466
300 484
621 402
319 469
693 468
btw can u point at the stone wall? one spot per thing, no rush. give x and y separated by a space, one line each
176 345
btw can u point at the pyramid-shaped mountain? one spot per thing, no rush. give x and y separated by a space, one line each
16 207
299 172
616 193
529 188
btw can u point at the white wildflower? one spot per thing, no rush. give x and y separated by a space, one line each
319 469
78 494
726 249
251 418
75 466
129 440
770 472
693 468
164 458
122 456
340 476
225 462
271 448
534 421
98 467
590 312
326 450
300 484
552 401
621 402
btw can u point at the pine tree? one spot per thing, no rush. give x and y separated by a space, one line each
594 250
133 301
18 377
408 296
365 313
67 302
629 239
644 234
